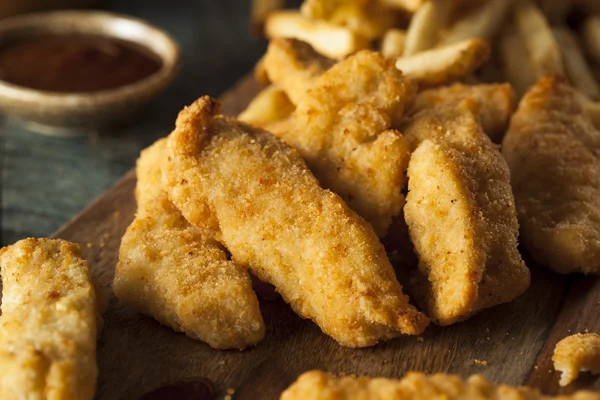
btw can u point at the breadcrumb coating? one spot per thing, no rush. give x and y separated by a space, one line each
461 215
48 327
178 273
553 151
495 103
324 260
576 353
342 128
317 385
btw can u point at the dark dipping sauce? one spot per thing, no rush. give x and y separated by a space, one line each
75 63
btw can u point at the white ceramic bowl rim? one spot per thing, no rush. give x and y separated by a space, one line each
100 23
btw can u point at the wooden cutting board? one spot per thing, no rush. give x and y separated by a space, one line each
511 343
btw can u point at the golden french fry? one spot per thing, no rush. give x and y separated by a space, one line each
578 71
556 10
270 105
591 37
392 43
294 65
328 39
445 64
405 5
260 10
368 18
515 60
423 31
544 52
260 73
483 22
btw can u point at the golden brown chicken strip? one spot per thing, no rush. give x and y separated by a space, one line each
48 326
496 103
275 218
553 152
317 385
461 215
178 273
342 128
576 353
294 66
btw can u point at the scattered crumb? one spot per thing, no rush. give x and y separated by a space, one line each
230 391
481 362
89 245
521 353
221 362
102 244
420 339
106 235
488 338
535 367
116 214
487 330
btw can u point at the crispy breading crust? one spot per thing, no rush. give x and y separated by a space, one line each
496 102
179 274
294 65
341 127
461 216
575 353
274 217
317 385
553 152
48 326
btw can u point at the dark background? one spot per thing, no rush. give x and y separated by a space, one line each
45 181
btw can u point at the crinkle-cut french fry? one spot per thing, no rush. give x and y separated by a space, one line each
555 10
445 64
259 12
515 60
578 71
270 105
405 5
483 22
591 37
544 52
368 18
328 39
425 25
392 43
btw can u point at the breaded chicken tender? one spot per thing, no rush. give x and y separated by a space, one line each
268 106
576 353
342 128
48 327
178 273
496 103
553 153
317 385
461 216
294 66
275 218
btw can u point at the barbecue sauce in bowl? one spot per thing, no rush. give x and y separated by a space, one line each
75 63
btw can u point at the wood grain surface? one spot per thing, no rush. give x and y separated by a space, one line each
136 354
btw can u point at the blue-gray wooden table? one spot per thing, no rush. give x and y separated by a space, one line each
45 181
